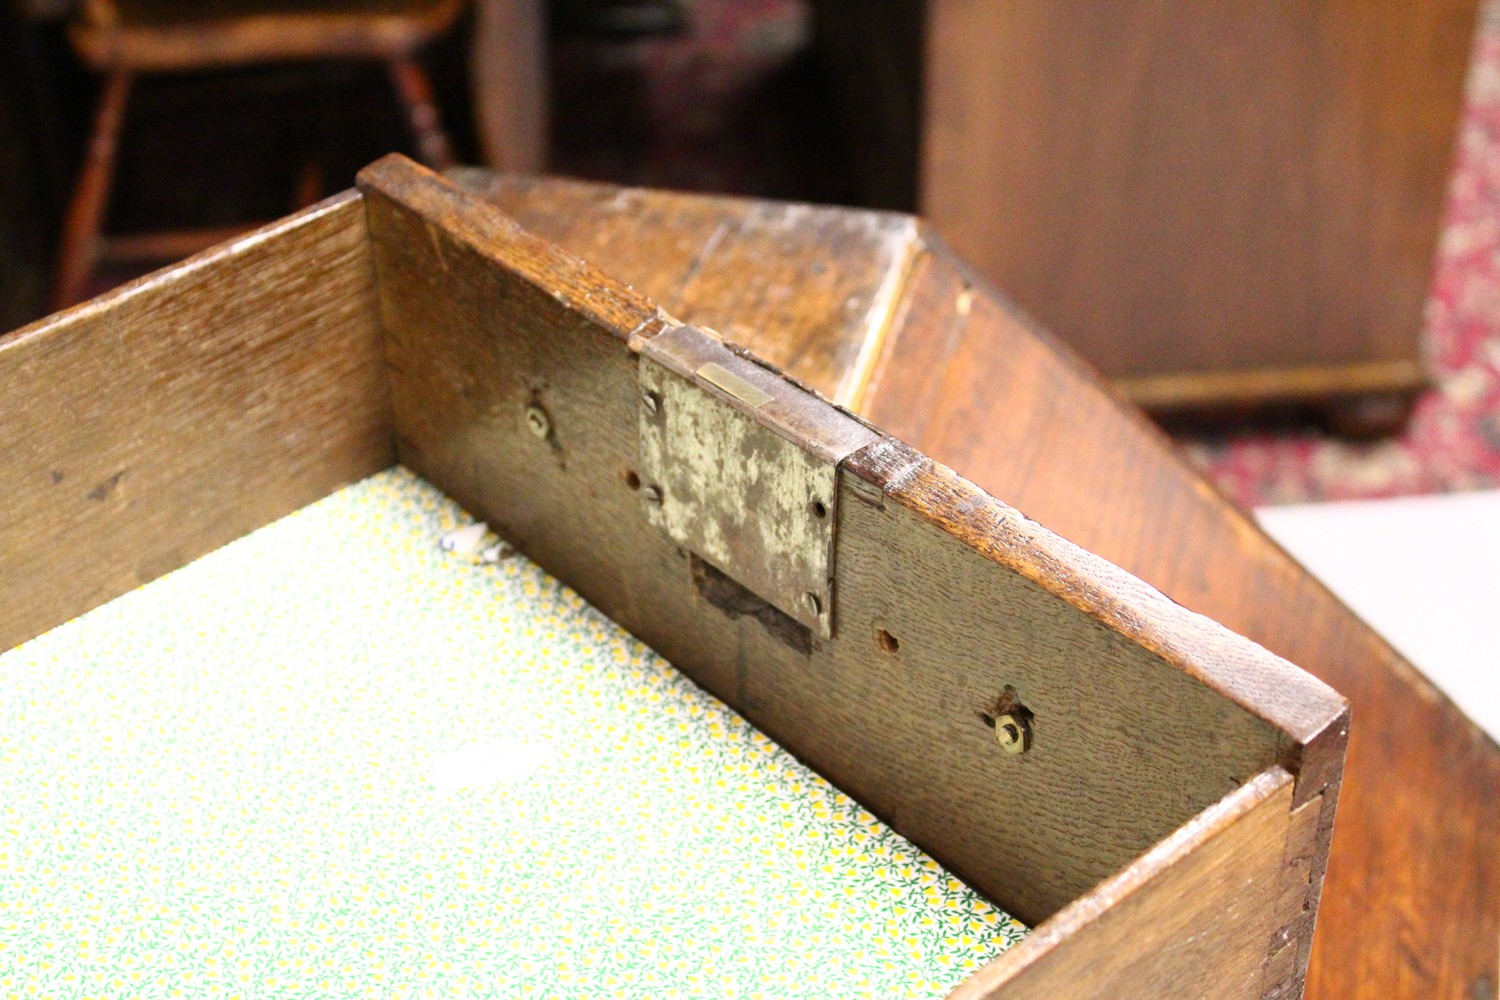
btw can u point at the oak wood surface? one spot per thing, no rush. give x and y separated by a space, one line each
1162 923
151 425
808 288
1176 188
967 378
1416 855
1146 714
482 321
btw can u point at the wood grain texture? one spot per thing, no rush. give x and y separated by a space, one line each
1188 920
808 289
963 375
1180 188
1416 860
147 427
968 585
1146 714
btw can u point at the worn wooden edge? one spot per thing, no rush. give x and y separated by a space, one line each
1006 977
1301 706
484 182
1249 387
1296 703
1309 715
210 257
876 319
856 383
933 243
480 226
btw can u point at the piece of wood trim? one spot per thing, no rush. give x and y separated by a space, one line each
1150 713
1267 686
1252 386
450 216
1190 918
178 412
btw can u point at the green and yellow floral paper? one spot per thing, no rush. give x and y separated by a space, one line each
331 760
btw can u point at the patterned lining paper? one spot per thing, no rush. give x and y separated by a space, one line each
332 760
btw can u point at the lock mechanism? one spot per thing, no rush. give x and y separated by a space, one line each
741 465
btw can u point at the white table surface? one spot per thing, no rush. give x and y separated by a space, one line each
1424 571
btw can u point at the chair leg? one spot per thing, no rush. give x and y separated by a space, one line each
414 90
80 238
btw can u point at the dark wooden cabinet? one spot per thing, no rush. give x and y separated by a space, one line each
1215 203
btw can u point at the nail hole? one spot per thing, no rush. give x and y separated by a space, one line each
819 509
887 642
632 480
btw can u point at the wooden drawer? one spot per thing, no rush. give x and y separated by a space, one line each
1166 827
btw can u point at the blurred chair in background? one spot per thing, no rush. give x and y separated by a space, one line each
121 39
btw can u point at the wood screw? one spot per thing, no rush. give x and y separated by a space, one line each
814 603
537 421
652 401
651 494
1012 733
